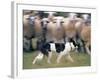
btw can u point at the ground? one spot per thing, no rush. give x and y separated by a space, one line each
80 59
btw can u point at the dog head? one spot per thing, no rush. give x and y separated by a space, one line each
73 46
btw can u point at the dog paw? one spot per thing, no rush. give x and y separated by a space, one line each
33 62
48 62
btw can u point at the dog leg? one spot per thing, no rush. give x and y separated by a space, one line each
34 61
59 57
49 57
38 57
70 58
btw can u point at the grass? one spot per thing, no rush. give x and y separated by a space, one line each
80 59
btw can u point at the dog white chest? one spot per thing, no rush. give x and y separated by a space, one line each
52 47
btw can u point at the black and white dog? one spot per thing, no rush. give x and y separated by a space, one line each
61 48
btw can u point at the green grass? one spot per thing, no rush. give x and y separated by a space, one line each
80 59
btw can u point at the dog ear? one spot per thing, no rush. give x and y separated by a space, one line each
74 43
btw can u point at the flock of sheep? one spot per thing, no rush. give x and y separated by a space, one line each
49 26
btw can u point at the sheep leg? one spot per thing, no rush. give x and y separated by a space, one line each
80 46
49 57
87 48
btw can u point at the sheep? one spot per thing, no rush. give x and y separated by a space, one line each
69 26
75 29
37 26
32 27
84 32
28 32
55 29
86 37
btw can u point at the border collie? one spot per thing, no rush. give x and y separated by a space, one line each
61 49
